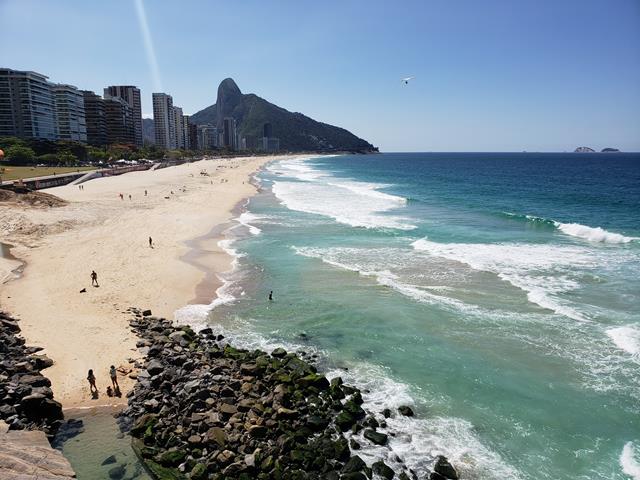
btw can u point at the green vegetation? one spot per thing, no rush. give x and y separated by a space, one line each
13 172
23 152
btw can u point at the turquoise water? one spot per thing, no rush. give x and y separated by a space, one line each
497 293
100 439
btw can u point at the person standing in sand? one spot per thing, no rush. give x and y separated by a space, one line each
94 278
113 373
150 242
92 382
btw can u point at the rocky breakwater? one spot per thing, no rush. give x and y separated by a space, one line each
26 399
29 416
202 409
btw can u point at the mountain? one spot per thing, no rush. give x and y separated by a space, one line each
148 131
584 150
609 150
296 131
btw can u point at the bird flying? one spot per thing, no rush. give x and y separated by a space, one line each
406 80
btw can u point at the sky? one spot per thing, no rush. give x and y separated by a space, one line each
490 75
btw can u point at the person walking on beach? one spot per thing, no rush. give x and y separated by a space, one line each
113 373
94 278
145 193
150 242
92 382
271 296
129 196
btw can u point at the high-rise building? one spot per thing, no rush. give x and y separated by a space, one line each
119 119
193 136
189 144
70 115
229 136
164 121
207 137
27 107
179 127
95 117
267 131
131 95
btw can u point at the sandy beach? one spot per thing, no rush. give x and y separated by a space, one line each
97 230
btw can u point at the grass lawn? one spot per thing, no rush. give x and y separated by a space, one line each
11 172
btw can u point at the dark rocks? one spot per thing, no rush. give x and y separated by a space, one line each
146 313
383 470
206 409
405 410
154 367
443 468
109 460
26 399
117 472
279 353
376 437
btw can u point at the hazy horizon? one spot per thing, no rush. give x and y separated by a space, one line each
489 78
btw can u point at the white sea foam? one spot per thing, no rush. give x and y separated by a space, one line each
346 259
593 234
539 270
626 338
245 218
418 441
628 461
195 315
359 204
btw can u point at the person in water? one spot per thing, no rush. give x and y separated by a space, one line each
113 373
94 278
92 382
271 296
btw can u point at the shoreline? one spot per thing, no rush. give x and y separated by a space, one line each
59 247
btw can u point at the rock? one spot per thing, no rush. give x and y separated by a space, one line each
35 381
154 367
117 472
345 421
146 313
405 410
217 435
40 362
109 460
279 353
386 413
444 468
376 437
257 431
198 472
228 409
172 457
355 464
382 469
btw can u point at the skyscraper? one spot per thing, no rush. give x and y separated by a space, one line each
131 95
70 114
164 121
179 127
119 120
27 107
229 136
95 117
267 131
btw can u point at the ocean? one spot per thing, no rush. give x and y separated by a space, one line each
496 293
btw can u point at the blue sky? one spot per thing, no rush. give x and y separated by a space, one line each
505 75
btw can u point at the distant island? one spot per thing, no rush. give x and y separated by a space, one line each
591 150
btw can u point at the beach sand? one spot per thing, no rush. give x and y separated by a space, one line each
98 231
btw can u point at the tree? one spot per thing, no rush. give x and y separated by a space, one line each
20 155
67 158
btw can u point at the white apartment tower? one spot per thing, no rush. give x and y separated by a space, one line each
164 121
